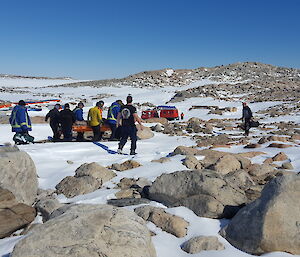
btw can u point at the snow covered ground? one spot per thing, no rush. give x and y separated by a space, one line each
54 161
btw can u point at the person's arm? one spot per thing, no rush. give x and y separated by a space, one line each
47 116
138 120
119 120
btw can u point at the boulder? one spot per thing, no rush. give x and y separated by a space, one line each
126 183
146 133
158 128
46 206
281 156
127 201
185 150
162 160
203 191
162 121
96 171
73 186
278 145
127 165
128 193
271 223
191 162
7 199
89 230
202 243
251 146
13 218
258 170
227 164
287 166
172 224
18 174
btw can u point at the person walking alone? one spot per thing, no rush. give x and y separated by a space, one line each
247 116
127 118
67 118
54 121
95 120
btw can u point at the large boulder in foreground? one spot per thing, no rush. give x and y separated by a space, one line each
88 230
272 222
203 191
144 133
13 215
18 174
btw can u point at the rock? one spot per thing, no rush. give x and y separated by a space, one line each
227 164
96 171
278 145
184 150
250 154
277 138
172 224
158 128
7 199
47 206
18 174
202 243
89 230
241 179
271 222
245 162
287 166
191 162
251 146
128 193
14 218
268 161
162 121
203 191
146 133
281 156
73 186
162 160
127 201
126 183
258 170
70 162
127 165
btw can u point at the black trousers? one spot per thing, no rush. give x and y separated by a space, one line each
55 130
247 126
67 132
128 131
113 128
97 133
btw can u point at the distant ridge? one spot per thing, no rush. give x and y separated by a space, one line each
12 76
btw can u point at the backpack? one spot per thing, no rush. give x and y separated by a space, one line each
125 113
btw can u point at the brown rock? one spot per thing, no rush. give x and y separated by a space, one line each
250 146
281 156
278 145
227 164
162 160
202 243
127 165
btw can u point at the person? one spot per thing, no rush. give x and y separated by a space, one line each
21 124
247 116
54 121
112 115
78 111
95 120
67 118
182 115
127 118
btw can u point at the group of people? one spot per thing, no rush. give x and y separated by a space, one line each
120 118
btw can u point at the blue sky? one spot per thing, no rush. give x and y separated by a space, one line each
90 39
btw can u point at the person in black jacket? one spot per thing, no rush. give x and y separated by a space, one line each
67 118
247 116
54 121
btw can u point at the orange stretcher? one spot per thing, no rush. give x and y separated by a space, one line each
86 128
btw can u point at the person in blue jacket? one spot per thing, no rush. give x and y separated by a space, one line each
20 123
112 115
78 111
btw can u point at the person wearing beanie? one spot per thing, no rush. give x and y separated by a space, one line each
54 121
66 119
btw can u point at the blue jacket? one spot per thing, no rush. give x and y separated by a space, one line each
113 111
78 114
19 119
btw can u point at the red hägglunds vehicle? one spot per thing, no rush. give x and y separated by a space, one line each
162 111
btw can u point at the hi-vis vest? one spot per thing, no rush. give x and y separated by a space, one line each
110 115
19 119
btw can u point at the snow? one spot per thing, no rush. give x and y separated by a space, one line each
54 161
169 72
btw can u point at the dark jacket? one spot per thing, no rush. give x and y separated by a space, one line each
66 118
54 116
247 113
19 119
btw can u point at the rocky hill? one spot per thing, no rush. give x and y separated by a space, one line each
11 76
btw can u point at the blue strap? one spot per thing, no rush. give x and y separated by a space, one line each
106 148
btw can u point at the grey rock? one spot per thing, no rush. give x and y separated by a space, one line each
227 164
18 174
203 191
46 206
271 223
89 230
127 202
202 243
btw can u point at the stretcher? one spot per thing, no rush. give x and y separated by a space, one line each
86 128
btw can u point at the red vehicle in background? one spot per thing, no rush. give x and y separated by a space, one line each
162 111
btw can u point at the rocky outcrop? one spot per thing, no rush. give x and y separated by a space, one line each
202 243
127 165
172 224
18 174
88 230
271 222
203 191
13 215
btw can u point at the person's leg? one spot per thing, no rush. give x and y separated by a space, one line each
113 130
79 136
54 128
247 126
124 137
96 131
133 138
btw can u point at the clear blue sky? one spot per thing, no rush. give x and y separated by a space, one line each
90 39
